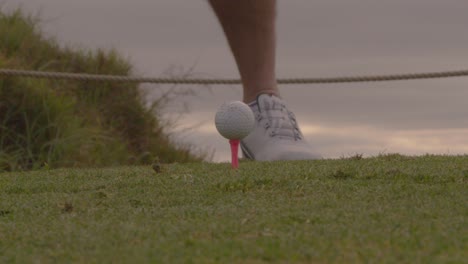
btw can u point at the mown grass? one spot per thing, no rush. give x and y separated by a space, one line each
56 123
388 209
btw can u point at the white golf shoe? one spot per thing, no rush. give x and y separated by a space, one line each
276 135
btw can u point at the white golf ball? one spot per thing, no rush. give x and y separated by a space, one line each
234 120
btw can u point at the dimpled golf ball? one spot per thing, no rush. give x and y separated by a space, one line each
234 120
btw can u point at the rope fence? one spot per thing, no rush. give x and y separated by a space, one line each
118 78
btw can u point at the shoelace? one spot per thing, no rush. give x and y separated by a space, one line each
279 121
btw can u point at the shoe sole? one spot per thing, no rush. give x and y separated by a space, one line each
246 153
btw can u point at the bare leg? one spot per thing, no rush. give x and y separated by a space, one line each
249 26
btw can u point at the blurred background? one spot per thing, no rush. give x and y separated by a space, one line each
320 38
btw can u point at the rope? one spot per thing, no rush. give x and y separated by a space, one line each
118 78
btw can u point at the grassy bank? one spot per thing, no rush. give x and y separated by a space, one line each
72 124
389 209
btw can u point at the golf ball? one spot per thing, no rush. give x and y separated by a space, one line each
234 120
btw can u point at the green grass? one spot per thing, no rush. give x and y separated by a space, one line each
388 209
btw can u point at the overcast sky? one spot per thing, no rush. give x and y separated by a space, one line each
316 38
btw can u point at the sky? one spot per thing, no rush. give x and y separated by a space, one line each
316 38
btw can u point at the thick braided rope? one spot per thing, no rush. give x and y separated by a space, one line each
117 78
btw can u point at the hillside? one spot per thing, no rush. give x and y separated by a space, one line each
57 123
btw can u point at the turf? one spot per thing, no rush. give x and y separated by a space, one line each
388 209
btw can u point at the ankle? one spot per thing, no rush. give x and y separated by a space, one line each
251 97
